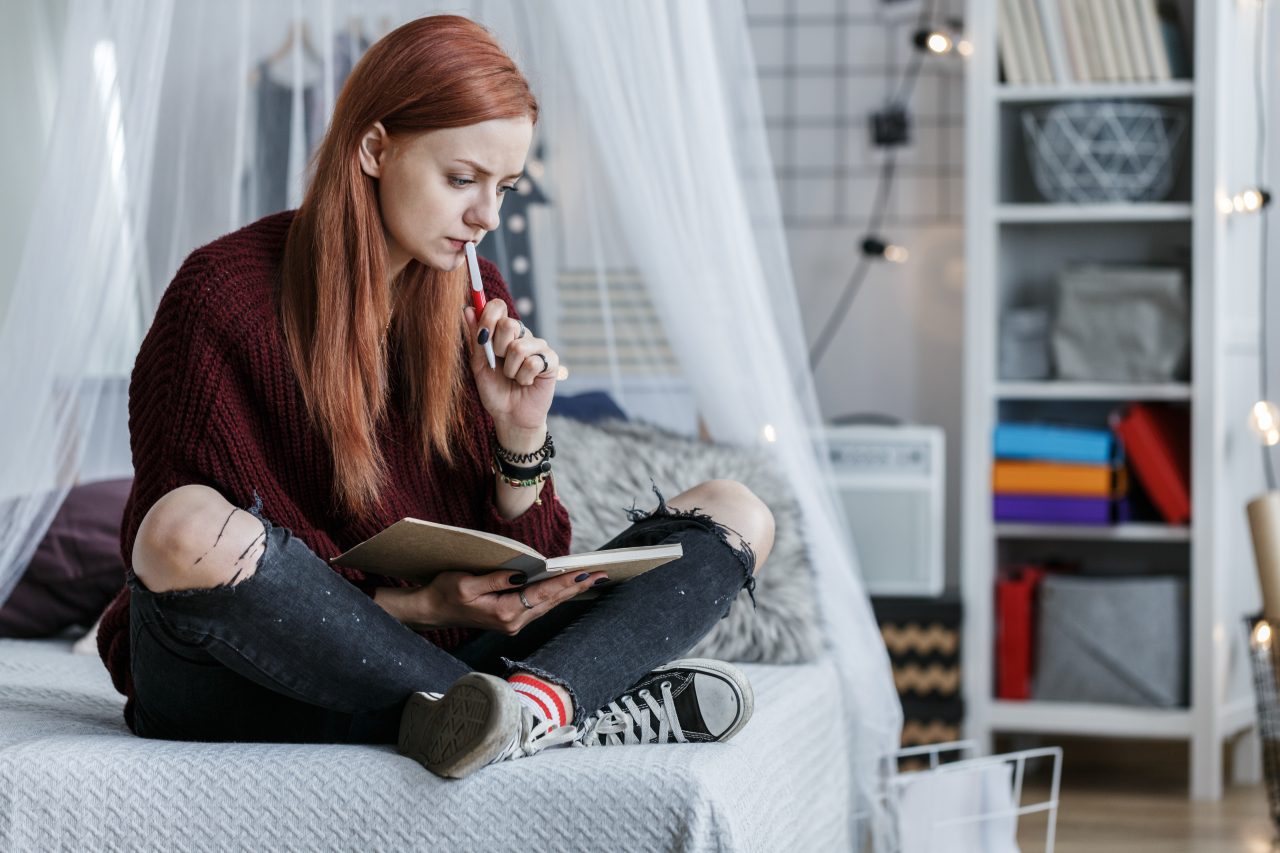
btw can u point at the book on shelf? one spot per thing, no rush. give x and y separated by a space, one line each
417 550
1047 442
1010 59
1157 443
1054 509
1037 42
1017 477
1102 33
1154 40
1051 22
1132 21
1015 630
1020 42
1074 41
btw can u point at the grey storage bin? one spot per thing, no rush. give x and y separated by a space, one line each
1122 324
1112 640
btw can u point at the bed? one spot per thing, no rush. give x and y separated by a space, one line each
72 777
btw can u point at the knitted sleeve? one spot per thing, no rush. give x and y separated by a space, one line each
546 527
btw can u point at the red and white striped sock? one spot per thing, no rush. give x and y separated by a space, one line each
541 698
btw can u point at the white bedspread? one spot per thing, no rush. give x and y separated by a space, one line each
73 778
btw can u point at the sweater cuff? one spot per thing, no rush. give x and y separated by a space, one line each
545 528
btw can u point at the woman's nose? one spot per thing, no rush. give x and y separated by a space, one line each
484 215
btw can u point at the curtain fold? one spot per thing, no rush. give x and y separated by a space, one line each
674 112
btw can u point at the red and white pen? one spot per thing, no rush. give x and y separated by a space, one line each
477 296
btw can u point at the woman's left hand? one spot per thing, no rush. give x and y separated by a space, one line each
517 394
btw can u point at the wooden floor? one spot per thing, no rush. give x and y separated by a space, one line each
1132 798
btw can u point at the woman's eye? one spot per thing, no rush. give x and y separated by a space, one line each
505 190
460 182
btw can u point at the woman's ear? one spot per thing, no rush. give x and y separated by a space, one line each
373 147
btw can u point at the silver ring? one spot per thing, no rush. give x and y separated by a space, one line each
525 601
523 329
545 364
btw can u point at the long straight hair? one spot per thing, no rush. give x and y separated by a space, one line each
436 72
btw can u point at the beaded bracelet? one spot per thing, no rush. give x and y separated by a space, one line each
546 451
519 482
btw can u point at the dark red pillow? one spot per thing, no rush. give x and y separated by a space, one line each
76 569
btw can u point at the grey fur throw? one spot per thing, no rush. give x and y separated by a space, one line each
604 469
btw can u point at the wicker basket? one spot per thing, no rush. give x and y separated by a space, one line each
1086 152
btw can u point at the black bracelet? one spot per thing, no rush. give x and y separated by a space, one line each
546 451
516 472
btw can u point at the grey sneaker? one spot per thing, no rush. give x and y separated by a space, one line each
694 700
478 721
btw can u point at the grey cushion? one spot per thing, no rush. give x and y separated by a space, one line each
603 469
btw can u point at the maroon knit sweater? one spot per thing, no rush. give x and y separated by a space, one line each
214 400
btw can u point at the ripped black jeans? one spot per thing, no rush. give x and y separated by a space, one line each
295 653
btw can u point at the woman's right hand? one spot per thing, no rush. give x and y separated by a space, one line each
490 602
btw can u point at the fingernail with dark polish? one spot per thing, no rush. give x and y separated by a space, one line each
600 581
484 337
580 578
517 580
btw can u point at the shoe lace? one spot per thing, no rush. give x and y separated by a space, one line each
629 722
535 735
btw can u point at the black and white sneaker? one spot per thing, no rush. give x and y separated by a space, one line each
694 700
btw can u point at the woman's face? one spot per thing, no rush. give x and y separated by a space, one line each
441 188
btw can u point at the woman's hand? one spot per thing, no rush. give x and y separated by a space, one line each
490 602
517 394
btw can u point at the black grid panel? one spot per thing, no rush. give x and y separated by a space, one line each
825 66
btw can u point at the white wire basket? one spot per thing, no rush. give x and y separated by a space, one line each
959 802
1086 152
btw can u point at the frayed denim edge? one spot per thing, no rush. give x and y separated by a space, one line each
513 666
746 554
135 585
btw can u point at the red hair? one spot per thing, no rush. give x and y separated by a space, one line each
436 72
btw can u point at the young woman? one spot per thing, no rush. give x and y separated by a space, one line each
318 368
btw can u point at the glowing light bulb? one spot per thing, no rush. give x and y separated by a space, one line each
770 434
896 254
964 47
1225 205
1264 418
938 42
1262 635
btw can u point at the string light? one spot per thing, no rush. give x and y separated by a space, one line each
1262 635
770 433
942 40
877 247
1264 418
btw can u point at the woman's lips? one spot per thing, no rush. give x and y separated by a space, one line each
457 244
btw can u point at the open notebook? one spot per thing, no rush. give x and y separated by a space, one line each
415 550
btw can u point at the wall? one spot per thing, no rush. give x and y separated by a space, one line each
825 65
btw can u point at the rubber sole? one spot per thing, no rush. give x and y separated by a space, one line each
464 730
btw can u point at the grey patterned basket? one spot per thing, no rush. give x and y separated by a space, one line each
1104 151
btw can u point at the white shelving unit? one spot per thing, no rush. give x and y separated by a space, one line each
1015 245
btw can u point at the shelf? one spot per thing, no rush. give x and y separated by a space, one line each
1130 532
1092 391
1087 718
1091 91
1163 211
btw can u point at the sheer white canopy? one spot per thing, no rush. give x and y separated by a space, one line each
646 243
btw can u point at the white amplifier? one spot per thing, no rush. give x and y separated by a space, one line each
891 482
